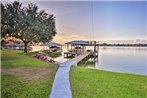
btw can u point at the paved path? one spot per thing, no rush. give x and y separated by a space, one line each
61 84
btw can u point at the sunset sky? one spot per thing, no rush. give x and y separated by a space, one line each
112 20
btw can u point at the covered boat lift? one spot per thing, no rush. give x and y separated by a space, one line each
78 47
53 46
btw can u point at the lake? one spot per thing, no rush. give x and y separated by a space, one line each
122 59
118 59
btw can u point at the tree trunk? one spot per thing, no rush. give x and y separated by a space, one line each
25 47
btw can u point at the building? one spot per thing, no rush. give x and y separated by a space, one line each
78 47
54 47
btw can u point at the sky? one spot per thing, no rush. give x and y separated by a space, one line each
96 20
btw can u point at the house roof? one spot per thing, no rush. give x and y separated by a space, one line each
15 44
77 42
53 44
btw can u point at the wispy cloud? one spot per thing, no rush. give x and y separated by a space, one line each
65 37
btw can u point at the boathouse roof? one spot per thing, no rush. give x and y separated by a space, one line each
77 42
53 44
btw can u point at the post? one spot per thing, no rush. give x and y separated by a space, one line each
71 47
67 48
94 48
83 49
80 49
98 49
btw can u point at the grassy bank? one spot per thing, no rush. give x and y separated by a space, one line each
14 58
91 83
53 54
24 76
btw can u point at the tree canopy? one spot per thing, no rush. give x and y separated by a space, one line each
27 23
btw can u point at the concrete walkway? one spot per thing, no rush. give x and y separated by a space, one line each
61 84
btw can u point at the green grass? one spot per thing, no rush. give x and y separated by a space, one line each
54 54
86 63
14 58
32 53
91 83
13 86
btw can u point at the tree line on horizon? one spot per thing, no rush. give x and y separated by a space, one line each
105 44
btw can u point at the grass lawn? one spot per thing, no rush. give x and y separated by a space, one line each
24 76
54 54
91 83
14 58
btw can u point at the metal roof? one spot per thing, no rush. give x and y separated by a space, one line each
77 42
16 44
53 44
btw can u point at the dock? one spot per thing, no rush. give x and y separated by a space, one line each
81 57
67 54
76 48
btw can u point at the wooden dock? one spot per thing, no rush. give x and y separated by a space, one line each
81 57
67 54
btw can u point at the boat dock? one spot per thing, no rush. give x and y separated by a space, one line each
78 48
84 56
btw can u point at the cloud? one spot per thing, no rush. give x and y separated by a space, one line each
65 37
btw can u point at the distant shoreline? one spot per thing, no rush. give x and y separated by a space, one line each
125 45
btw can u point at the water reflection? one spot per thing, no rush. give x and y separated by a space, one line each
122 59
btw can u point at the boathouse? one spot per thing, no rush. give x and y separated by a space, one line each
77 47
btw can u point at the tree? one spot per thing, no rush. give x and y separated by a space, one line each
27 23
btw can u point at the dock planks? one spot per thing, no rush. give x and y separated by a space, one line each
80 57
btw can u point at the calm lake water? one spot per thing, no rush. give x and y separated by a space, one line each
120 59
